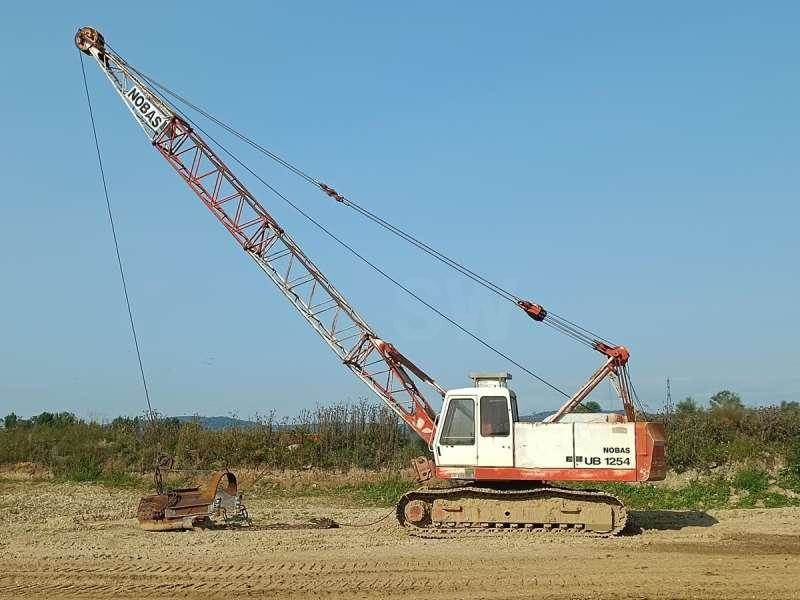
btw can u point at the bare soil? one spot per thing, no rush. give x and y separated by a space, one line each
81 541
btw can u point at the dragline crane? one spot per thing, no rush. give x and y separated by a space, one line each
478 438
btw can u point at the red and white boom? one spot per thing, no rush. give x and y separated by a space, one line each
375 361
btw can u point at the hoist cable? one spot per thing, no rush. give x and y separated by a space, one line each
644 408
150 412
222 124
347 246
577 327
568 332
552 320
372 265
491 286
566 325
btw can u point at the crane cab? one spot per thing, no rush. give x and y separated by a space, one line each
480 436
476 424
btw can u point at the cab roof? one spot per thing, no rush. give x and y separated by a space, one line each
481 391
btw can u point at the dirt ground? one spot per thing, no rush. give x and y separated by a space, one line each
81 541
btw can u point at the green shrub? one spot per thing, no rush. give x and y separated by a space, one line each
778 501
789 479
699 494
119 479
743 449
713 493
386 492
752 480
332 437
729 433
793 457
82 468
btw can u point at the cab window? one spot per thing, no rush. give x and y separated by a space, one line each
494 416
459 423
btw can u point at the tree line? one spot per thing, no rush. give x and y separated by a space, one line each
364 435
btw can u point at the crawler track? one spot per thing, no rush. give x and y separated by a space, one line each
470 511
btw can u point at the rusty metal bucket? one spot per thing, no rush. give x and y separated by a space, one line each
187 508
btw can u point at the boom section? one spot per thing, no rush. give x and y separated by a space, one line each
373 360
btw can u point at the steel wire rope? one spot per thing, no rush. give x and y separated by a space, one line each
382 222
370 523
131 320
371 264
567 326
644 407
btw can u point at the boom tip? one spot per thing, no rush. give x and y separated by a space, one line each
88 37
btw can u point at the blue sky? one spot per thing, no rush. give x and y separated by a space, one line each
632 167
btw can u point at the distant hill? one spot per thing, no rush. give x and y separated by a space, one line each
217 423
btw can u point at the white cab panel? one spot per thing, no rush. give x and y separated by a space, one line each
575 445
543 445
605 445
456 456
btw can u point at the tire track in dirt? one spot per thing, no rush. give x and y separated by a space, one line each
736 555
336 578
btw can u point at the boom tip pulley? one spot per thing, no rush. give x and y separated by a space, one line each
87 38
620 354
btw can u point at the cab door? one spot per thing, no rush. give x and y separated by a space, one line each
455 442
496 432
